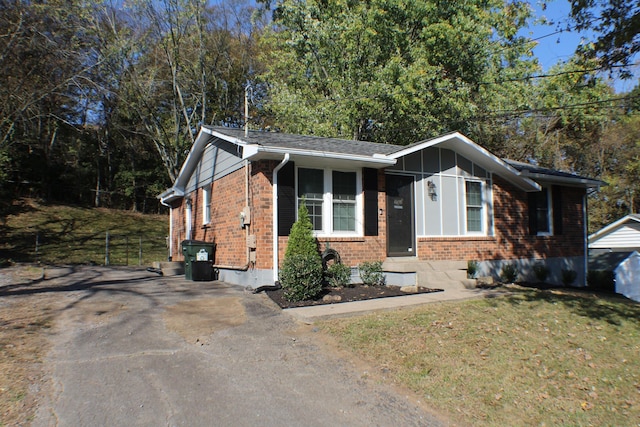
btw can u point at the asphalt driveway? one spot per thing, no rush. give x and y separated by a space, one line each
131 348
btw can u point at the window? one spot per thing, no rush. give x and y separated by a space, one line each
206 205
474 206
543 211
344 201
311 188
330 211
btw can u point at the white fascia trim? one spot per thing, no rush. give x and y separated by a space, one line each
224 137
252 151
577 182
470 149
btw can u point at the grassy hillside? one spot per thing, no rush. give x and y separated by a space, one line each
54 234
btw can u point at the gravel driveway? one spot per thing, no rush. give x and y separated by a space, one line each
132 348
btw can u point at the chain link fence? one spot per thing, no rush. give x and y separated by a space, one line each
104 248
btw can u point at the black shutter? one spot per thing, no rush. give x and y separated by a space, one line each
370 190
556 195
286 199
533 215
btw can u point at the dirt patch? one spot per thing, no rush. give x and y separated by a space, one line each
338 295
196 320
98 311
25 323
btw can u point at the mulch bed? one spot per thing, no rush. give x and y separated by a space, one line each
339 295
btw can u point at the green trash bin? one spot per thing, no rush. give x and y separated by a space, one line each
198 259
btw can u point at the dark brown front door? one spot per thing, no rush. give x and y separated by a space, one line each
400 218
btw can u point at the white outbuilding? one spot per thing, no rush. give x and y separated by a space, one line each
622 235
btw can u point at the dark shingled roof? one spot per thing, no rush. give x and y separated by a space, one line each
308 143
532 169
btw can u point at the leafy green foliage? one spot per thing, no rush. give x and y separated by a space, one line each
392 71
541 272
568 277
301 277
301 240
509 273
472 269
338 275
301 272
371 273
601 280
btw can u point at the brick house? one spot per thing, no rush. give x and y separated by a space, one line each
435 201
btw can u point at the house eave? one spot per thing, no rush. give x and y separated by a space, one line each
461 144
258 152
568 181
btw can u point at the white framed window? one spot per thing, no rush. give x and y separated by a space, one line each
344 201
474 206
333 199
544 212
206 205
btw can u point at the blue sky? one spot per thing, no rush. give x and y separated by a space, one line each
554 47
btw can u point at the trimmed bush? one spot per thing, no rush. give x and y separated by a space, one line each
301 277
568 277
509 273
301 240
472 269
301 272
601 280
541 271
338 275
371 273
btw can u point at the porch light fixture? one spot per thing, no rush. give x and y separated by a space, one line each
431 191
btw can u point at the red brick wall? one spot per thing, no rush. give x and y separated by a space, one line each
511 225
511 240
227 201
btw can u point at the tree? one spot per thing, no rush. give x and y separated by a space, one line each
301 273
617 25
393 71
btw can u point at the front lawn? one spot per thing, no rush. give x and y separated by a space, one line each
535 357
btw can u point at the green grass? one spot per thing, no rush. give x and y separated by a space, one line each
531 358
30 232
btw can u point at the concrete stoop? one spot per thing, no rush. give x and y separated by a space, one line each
432 274
170 268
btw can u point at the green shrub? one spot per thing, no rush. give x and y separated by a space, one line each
301 272
371 273
568 277
301 240
601 280
301 277
509 273
472 269
338 275
541 271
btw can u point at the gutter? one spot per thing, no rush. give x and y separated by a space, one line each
284 161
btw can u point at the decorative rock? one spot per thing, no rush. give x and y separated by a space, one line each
409 289
332 298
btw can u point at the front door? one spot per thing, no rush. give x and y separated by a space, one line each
400 218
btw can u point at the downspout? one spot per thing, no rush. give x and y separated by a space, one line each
246 265
163 203
585 238
274 230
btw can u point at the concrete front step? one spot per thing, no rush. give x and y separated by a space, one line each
170 268
432 274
